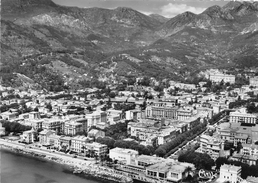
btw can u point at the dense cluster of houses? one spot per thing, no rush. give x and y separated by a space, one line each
61 123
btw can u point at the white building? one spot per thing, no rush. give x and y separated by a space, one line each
28 136
135 114
53 124
239 117
250 149
44 135
97 148
253 81
210 145
126 156
230 173
93 119
218 77
72 128
78 143
2 129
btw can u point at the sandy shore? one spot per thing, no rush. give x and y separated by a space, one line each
80 166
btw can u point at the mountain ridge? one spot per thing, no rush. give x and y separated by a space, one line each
84 44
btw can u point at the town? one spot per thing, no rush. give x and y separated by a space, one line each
147 130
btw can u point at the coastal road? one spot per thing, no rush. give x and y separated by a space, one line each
43 151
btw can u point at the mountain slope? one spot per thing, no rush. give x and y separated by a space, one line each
42 41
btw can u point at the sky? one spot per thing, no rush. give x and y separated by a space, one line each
167 8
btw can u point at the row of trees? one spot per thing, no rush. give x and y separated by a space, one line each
111 143
171 146
200 160
239 103
124 107
215 118
146 150
66 96
251 108
14 127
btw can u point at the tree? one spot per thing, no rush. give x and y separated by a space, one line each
239 147
160 152
200 160
49 106
220 161
112 95
145 81
189 171
107 141
84 150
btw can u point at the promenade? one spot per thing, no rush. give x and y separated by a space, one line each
89 167
64 158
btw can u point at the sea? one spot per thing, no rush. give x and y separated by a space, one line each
20 168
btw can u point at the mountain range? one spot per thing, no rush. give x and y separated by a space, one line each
54 45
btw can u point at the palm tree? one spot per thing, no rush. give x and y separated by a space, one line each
189 171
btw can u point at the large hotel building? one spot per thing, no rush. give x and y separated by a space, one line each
161 110
218 77
237 117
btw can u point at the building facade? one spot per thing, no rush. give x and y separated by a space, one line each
210 145
253 81
218 77
72 128
126 156
238 117
230 173
53 124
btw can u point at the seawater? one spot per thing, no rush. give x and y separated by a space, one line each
20 168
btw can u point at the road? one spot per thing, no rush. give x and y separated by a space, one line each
195 140
46 152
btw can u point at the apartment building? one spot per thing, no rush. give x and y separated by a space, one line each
94 133
84 123
98 149
28 136
54 140
230 173
93 119
72 128
9 115
205 112
44 135
135 114
65 142
31 115
184 113
250 149
210 145
34 123
53 124
78 143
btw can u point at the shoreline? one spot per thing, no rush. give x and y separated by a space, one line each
81 167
